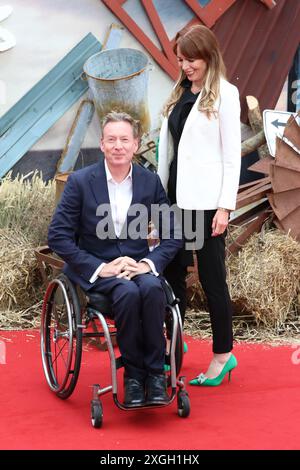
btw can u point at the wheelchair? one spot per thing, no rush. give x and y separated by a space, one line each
64 324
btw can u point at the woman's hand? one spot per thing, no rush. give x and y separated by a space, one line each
220 222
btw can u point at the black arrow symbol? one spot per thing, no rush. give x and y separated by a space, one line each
276 123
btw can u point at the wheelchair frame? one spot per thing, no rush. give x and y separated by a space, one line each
67 327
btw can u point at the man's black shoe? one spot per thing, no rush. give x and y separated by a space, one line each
134 392
156 390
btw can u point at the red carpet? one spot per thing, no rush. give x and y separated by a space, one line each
259 409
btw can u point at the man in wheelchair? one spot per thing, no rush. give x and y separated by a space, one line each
98 234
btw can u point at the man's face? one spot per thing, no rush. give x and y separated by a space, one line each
118 144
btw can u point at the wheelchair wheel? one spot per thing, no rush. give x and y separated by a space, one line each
183 404
178 339
96 413
61 336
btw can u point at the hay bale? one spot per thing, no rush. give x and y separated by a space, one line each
19 275
263 279
26 206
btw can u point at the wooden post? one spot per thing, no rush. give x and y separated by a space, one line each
253 143
269 3
256 122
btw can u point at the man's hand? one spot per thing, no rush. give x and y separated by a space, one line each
141 268
123 264
220 222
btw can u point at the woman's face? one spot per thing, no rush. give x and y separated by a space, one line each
194 69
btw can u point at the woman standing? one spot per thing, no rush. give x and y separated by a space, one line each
199 165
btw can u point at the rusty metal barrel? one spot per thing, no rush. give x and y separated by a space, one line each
118 80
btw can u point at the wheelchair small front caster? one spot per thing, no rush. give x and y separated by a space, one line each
96 413
183 404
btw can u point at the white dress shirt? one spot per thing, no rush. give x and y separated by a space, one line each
120 197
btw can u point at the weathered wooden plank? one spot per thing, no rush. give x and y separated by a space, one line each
262 166
290 224
250 189
292 131
249 214
253 226
76 136
113 37
284 203
253 196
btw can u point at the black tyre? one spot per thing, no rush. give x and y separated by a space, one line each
183 404
96 413
179 341
61 336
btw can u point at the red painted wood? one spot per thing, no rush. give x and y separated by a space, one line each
211 12
158 55
160 30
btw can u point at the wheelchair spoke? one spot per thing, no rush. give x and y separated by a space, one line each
61 340
59 353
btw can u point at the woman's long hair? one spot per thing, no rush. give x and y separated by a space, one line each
199 42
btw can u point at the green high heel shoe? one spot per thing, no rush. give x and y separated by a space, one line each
167 367
204 381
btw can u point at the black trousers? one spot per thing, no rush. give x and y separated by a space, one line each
212 275
139 308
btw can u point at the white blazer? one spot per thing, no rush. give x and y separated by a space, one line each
209 154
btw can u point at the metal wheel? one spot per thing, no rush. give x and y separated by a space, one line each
178 339
61 336
96 413
183 404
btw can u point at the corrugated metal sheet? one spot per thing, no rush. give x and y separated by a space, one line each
44 104
258 45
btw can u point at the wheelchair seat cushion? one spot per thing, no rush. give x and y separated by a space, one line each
99 302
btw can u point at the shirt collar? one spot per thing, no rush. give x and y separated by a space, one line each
109 176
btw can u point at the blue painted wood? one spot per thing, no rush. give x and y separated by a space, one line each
114 37
76 136
44 104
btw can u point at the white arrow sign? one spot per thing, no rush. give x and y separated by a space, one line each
274 124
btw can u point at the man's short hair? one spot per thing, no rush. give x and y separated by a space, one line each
116 116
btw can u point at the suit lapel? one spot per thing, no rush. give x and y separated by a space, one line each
99 188
135 188
98 184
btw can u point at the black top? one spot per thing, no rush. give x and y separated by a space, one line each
176 124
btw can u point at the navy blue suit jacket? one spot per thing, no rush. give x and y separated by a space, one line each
72 232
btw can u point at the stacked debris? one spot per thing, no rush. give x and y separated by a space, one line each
276 196
284 175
